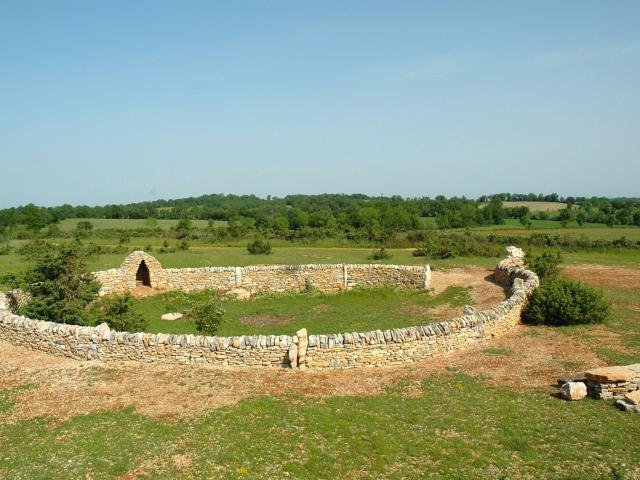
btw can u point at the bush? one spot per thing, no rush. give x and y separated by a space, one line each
545 265
560 301
207 314
117 312
259 247
380 254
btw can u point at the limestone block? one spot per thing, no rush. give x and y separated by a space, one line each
573 391
610 374
171 316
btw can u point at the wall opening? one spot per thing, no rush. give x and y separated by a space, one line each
143 277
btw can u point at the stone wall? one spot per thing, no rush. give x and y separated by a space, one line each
276 278
337 350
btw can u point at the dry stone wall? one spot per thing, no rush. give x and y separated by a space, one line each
337 350
277 278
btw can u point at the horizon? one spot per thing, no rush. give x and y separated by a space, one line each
125 103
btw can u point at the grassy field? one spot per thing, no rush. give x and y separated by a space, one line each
455 428
535 206
69 224
452 423
353 311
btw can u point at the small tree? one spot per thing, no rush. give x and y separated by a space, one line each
525 221
546 265
60 286
207 315
380 254
184 228
259 247
117 311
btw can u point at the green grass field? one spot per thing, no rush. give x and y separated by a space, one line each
353 311
456 428
70 224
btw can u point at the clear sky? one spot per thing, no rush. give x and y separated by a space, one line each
120 101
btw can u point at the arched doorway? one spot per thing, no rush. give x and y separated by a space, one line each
142 275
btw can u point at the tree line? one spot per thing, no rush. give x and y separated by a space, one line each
357 215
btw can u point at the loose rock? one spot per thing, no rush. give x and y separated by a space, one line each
573 391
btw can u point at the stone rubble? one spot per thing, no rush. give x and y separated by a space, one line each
620 383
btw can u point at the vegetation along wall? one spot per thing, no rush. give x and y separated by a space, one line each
336 350
143 268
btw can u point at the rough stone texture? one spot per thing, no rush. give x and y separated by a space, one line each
610 374
303 344
633 397
171 316
275 278
239 293
334 350
613 382
573 391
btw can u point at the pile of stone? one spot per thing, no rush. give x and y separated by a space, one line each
620 383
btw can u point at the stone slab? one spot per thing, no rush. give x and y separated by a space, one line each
610 374
171 316
633 397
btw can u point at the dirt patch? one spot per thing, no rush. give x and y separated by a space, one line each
605 276
141 291
321 308
265 320
484 291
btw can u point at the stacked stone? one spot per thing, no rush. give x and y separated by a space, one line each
612 382
273 278
337 350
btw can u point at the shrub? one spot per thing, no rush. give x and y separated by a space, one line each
117 311
259 247
380 254
545 265
184 245
560 301
207 314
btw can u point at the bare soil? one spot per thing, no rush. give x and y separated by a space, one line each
603 276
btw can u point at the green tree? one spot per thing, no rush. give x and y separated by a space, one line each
207 314
184 228
60 286
117 312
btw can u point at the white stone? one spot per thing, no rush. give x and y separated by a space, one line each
171 316
573 391
515 252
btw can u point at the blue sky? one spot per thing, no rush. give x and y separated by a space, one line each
112 102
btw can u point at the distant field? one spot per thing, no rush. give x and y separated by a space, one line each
536 206
69 224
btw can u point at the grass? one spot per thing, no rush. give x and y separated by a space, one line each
69 224
456 428
354 310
